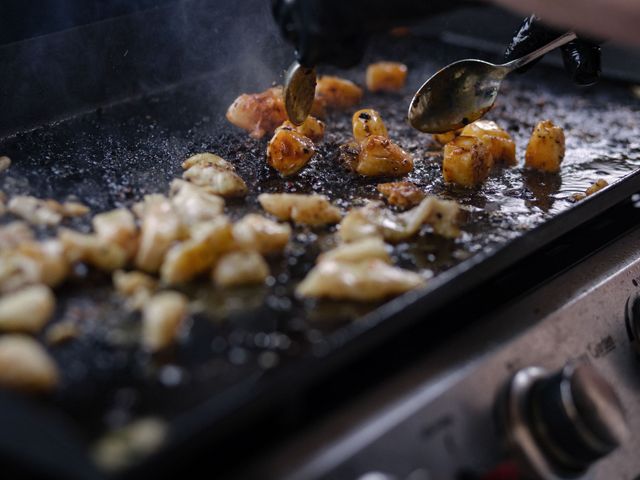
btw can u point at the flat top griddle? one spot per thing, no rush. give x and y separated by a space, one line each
249 343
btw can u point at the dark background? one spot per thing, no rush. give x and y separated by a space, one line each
21 19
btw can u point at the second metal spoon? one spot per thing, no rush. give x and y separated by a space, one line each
464 91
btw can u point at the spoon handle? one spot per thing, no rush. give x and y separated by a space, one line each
558 42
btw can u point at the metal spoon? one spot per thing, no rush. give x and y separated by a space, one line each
299 92
464 91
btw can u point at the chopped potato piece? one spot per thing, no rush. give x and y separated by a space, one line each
386 76
336 92
62 332
311 128
368 122
312 210
92 250
498 141
255 232
26 310
5 163
124 446
258 113
73 209
365 249
240 268
215 174
444 138
136 287
359 224
349 154
364 281
35 211
44 212
14 234
375 221
596 187
118 227
188 259
161 227
162 317
207 160
467 161
380 157
401 194
546 148
32 263
128 283
195 204
289 151
49 258
25 365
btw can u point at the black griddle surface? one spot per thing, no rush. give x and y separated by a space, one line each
246 338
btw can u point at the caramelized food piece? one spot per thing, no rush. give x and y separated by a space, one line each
364 281
312 210
349 155
546 148
596 187
358 251
62 332
380 157
258 113
444 138
386 76
35 211
44 212
73 209
240 268
195 204
161 227
124 446
13 234
32 263
311 128
255 232
467 162
136 287
336 92
368 122
374 220
25 365
401 194
215 174
118 227
188 259
162 317
26 310
92 250
289 151
498 141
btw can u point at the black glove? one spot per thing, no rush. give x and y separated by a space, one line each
581 57
336 32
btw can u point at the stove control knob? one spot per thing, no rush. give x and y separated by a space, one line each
559 424
632 320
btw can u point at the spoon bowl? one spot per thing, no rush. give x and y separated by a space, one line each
464 91
457 95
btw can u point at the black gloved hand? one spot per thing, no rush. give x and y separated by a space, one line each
336 32
581 57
